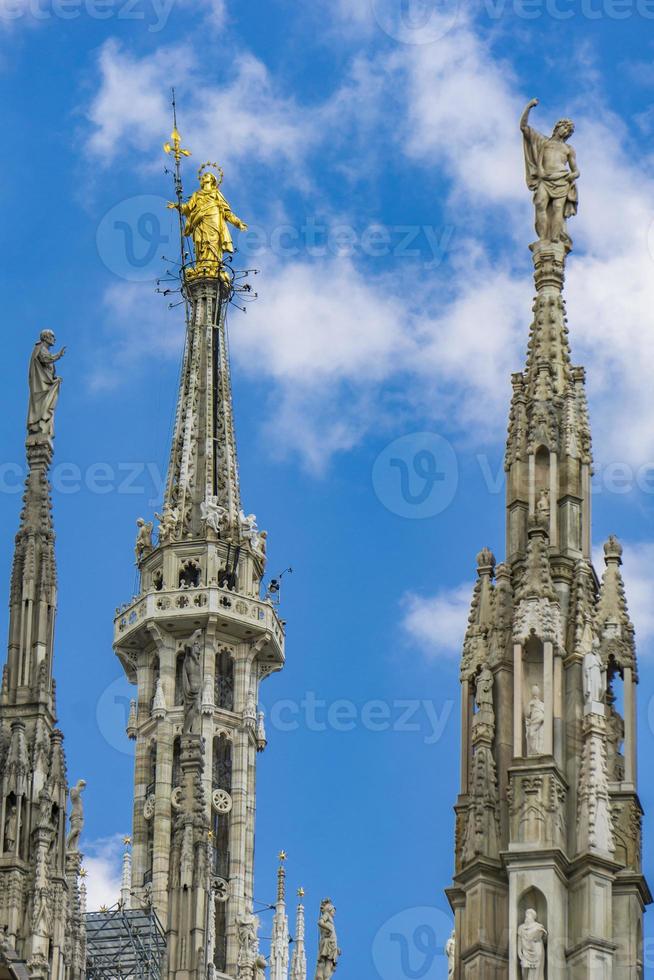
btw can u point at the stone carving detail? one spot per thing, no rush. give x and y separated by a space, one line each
481 834
168 522
221 801
535 724
176 798
192 684
627 819
594 817
76 816
328 951
594 676
531 947
143 545
551 174
450 952
149 806
213 515
44 386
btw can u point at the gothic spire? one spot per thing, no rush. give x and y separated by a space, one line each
279 954
299 959
33 596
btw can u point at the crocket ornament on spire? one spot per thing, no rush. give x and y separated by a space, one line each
551 173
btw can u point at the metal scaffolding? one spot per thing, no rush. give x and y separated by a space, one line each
124 944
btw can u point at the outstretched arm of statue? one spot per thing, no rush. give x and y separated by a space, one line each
233 220
524 119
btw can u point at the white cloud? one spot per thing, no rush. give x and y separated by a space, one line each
103 862
140 327
437 623
250 117
327 333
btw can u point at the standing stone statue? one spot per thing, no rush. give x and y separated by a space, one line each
44 386
531 947
192 684
485 715
328 951
143 539
450 952
551 174
535 723
76 816
11 829
543 509
594 686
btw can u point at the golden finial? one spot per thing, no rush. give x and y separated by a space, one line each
176 147
127 840
104 908
300 892
283 855
210 834
83 872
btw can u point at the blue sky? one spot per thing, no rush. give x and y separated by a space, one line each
373 148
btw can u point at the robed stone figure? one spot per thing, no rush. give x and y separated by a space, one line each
328 951
208 216
44 386
551 173
531 947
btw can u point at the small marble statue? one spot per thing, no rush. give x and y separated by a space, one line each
192 684
594 685
531 947
485 715
143 539
167 523
543 509
328 951
535 723
76 816
213 515
11 829
44 386
551 174
450 952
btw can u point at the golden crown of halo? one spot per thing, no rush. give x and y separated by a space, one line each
211 166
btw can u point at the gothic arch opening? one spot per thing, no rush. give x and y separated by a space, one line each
224 681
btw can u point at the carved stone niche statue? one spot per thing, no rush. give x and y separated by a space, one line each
543 510
76 816
328 951
535 723
531 947
594 678
450 952
192 684
44 386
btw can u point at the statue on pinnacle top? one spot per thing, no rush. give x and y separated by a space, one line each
328 951
44 386
207 216
551 174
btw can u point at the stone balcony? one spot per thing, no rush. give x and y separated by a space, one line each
181 611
